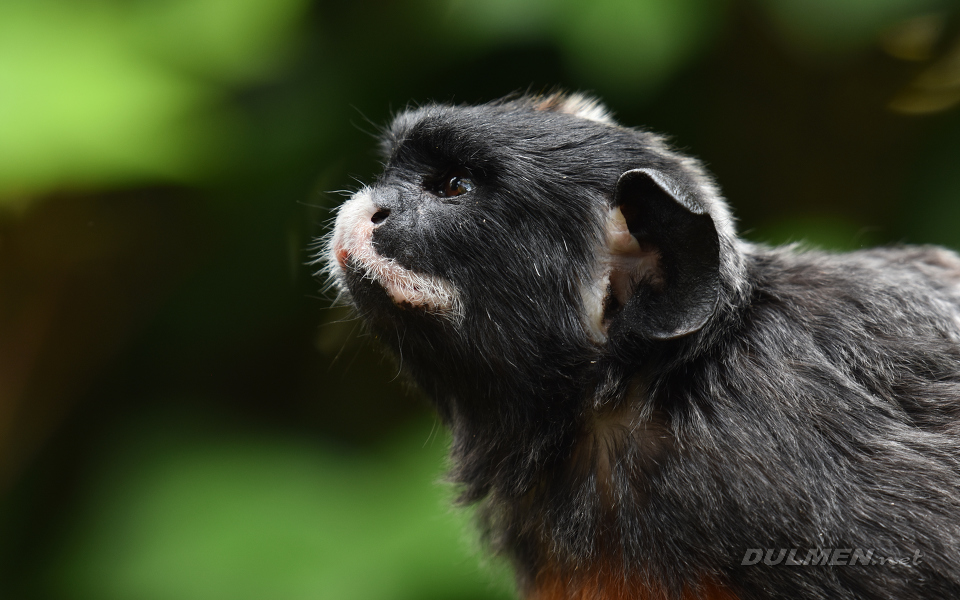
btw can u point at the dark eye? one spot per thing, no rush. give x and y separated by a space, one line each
455 183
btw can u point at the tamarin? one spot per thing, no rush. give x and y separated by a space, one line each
643 404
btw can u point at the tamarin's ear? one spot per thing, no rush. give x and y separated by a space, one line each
659 211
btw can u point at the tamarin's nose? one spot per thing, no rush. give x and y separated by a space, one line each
380 216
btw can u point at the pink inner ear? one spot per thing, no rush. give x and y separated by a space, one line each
625 262
631 261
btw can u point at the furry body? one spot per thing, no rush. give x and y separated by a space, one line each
637 396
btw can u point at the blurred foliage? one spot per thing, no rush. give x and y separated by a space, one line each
642 41
183 416
95 93
199 515
841 25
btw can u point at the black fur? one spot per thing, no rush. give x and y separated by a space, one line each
743 397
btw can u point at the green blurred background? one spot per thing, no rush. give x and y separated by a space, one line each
184 416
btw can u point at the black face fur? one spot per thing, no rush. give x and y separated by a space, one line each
635 393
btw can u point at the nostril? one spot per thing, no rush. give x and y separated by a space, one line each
380 216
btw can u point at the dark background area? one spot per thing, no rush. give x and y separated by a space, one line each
182 413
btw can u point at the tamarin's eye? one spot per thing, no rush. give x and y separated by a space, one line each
455 183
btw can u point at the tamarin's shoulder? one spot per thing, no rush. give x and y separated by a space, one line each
910 284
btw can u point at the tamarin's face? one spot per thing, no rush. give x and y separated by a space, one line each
503 237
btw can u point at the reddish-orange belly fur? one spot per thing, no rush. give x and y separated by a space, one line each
597 585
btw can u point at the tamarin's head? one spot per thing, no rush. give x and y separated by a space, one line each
507 247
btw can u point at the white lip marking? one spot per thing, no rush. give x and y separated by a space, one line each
352 242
